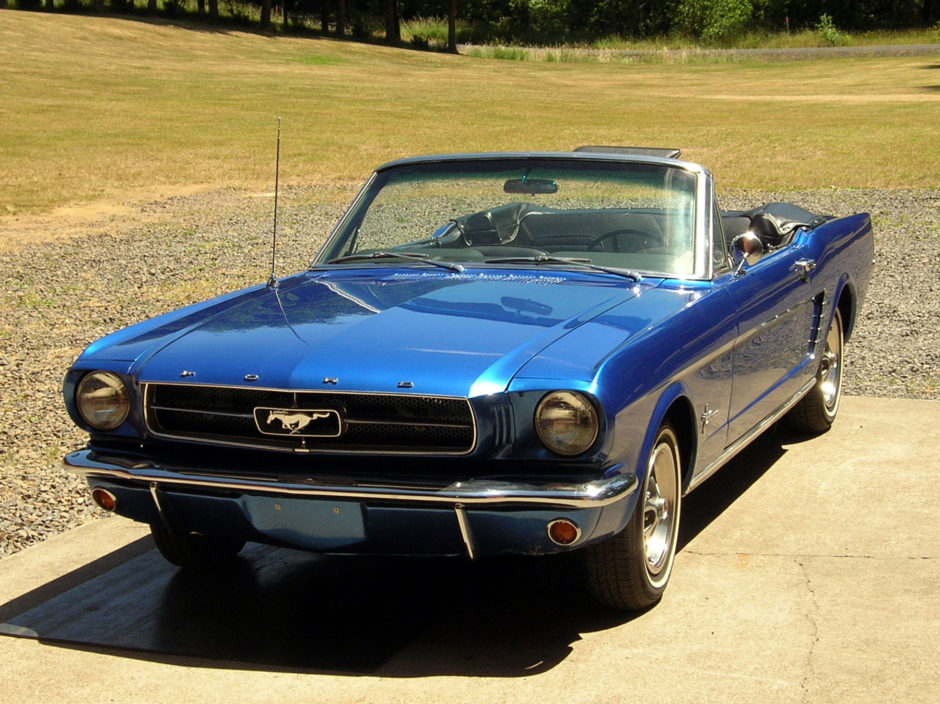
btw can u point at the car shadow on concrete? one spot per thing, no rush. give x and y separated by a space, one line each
285 610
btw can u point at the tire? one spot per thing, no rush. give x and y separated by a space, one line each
816 411
630 571
193 551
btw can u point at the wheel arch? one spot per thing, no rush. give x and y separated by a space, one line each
846 303
682 417
676 408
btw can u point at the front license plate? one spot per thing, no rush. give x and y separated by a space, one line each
305 523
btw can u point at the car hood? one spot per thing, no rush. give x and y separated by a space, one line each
441 333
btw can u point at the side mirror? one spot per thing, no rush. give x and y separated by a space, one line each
750 247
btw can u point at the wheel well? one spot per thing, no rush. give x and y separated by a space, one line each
846 306
682 417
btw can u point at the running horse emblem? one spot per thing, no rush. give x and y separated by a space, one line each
295 421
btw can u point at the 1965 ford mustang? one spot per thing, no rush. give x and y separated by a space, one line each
492 353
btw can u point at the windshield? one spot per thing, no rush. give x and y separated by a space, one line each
498 212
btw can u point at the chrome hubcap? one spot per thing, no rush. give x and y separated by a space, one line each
659 509
830 367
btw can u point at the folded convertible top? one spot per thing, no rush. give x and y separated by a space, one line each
664 152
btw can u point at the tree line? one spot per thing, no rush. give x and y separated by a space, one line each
540 21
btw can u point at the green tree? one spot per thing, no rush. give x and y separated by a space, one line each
341 18
392 22
714 20
452 27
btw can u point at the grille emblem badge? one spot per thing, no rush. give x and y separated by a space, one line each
296 422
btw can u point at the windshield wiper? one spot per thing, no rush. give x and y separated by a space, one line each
414 256
586 263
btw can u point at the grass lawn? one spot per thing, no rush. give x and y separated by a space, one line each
98 108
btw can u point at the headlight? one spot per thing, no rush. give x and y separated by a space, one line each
566 422
102 400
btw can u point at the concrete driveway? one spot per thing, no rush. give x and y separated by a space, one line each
808 572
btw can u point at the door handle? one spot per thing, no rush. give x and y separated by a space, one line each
803 267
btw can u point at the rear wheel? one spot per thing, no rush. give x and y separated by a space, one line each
815 412
630 570
193 550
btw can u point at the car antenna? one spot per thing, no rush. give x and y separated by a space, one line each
272 281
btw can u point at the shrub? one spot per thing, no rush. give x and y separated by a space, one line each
509 53
714 20
829 33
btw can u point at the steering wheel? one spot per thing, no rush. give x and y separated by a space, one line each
642 238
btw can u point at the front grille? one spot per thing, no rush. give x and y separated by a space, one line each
367 422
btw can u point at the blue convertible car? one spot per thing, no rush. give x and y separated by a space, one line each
492 353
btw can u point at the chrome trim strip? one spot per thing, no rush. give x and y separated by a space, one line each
745 439
156 497
483 492
319 392
196 411
464 524
701 240
155 494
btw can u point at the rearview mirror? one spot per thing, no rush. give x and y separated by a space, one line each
530 186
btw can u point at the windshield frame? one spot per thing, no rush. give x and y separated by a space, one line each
703 190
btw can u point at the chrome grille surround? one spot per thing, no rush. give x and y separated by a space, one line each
371 422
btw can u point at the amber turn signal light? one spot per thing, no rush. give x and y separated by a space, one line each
104 498
563 532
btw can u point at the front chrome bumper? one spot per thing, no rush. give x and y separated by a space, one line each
591 494
462 498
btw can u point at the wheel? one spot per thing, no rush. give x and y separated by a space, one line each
815 412
193 550
638 239
630 570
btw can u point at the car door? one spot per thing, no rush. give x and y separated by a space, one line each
778 313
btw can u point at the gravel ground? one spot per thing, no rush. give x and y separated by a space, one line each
57 297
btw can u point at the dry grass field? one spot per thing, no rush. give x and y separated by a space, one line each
99 111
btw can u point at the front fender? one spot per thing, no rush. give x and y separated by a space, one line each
636 426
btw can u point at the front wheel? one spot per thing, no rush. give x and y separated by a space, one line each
630 570
193 551
815 412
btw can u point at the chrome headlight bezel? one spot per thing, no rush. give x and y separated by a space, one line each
566 422
102 400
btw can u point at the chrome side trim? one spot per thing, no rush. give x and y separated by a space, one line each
745 439
485 492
